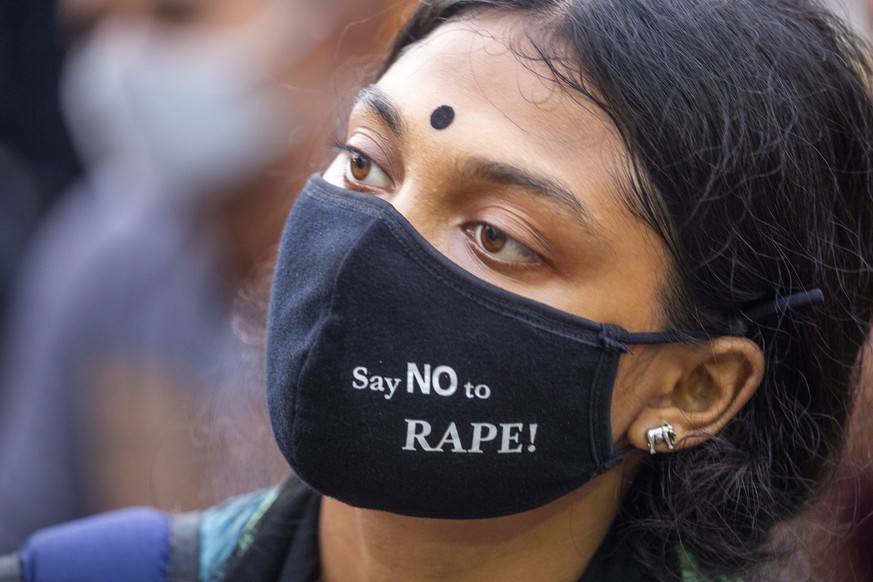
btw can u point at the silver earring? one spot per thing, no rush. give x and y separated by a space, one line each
661 434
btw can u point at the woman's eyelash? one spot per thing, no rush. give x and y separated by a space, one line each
339 147
529 257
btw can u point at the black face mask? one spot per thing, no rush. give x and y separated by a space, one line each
397 381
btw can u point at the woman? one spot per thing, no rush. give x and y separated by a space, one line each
696 173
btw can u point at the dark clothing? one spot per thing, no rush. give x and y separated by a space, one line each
103 282
31 58
18 213
267 536
285 546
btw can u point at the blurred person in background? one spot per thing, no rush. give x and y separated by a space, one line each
36 157
18 213
31 126
129 369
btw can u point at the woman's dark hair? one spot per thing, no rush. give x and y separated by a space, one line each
749 133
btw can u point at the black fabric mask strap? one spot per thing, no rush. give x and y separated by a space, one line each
781 305
613 460
738 326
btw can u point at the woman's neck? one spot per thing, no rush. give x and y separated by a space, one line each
553 542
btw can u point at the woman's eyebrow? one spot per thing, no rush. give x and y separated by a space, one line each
508 175
377 101
374 99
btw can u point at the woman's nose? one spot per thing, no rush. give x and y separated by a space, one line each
422 209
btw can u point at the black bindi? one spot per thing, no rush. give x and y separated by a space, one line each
442 117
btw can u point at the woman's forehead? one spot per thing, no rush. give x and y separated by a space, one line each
489 65
503 104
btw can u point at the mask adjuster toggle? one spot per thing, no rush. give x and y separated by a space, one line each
738 326
613 337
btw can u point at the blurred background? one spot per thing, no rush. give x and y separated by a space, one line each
149 152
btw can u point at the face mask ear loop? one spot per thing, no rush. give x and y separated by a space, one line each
657 337
739 326
784 304
613 460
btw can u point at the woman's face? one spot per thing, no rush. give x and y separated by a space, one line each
522 189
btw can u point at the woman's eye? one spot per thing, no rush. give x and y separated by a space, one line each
362 170
497 243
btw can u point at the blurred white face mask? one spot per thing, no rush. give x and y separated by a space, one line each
197 112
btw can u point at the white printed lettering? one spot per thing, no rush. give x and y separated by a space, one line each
451 437
453 381
481 391
511 434
478 438
533 436
413 373
452 441
360 374
376 384
468 389
392 383
416 431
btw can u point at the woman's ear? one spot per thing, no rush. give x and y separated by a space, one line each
708 386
